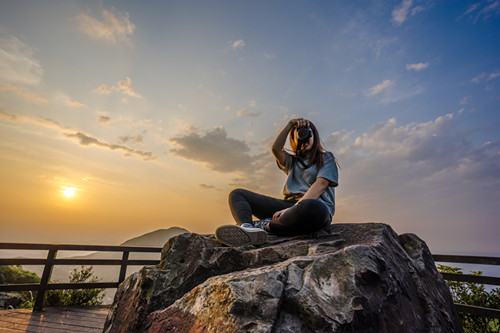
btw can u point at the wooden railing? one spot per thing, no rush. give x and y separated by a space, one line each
51 260
471 278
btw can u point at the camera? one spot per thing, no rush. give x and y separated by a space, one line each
304 133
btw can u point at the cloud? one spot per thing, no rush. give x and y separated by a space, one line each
215 149
483 9
208 187
132 138
113 27
75 103
378 88
82 138
400 13
245 113
123 86
86 140
104 119
29 96
427 177
394 155
270 56
18 65
236 45
417 67
103 90
485 77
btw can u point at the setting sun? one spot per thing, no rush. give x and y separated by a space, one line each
69 192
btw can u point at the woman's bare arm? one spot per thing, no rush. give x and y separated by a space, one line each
280 140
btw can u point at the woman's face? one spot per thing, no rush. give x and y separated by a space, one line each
306 147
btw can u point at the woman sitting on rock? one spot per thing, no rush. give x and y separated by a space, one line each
309 192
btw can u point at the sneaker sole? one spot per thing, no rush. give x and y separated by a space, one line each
234 235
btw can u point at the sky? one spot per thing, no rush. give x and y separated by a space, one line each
118 118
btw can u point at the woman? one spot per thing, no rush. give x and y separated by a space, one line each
309 194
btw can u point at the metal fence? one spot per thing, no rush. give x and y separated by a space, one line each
51 260
495 313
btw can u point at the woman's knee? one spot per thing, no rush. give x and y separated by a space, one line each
236 194
315 211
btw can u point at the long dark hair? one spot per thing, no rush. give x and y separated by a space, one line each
317 151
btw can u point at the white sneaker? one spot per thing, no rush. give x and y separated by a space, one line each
234 235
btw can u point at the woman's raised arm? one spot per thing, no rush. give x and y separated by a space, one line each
280 140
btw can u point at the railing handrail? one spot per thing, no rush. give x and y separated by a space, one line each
51 260
77 247
464 259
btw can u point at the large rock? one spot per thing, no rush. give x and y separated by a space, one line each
346 278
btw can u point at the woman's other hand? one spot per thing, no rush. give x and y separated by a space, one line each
278 214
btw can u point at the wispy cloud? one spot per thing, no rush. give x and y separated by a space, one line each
86 140
29 96
18 65
75 103
246 113
208 187
112 27
104 119
417 67
132 138
123 86
485 77
483 9
378 88
400 13
236 45
83 138
406 9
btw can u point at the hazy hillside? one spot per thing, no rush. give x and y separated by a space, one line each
156 238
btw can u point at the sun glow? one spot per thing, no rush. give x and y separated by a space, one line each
69 192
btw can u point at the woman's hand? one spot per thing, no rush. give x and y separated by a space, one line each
299 122
278 214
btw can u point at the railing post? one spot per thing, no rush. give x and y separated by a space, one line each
123 268
47 272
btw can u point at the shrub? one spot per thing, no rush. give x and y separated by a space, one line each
77 297
470 293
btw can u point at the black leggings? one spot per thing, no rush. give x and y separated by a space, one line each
308 216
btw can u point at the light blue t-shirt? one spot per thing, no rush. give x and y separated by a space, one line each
300 179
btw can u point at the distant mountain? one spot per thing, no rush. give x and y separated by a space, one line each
156 238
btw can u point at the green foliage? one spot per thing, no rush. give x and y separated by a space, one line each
13 274
79 297
75 297
474 294
16 274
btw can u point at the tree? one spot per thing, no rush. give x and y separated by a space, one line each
12 274
16 274
470 293
78 297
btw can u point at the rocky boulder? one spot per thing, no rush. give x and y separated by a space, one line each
346 278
